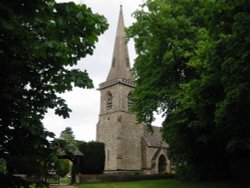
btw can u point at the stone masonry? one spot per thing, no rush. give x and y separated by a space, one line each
128 146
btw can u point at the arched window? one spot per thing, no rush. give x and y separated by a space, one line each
129 100
109 101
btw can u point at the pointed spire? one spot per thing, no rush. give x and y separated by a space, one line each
120 67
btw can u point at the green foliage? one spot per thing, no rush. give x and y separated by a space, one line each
193 65
66 146
94 157
160 66
65 180
68 136
62 166
39 41
3 168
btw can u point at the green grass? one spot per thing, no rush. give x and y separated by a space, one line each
163 184
65 180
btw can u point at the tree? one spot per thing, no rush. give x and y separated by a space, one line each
39 41
94 157
67 148
193 66
61 167
68 136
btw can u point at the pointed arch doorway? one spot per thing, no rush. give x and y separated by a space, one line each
162 164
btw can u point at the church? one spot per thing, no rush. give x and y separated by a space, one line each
129 147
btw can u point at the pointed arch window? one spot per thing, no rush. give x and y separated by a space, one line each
109 101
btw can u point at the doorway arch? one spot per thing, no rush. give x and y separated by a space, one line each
162 164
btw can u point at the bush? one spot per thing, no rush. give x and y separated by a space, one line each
94 157
63 167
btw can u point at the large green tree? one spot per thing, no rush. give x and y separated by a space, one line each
193 66
39 41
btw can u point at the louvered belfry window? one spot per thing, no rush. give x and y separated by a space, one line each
109 101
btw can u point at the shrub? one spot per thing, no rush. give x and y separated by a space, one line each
94 157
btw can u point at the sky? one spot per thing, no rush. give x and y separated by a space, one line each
85 103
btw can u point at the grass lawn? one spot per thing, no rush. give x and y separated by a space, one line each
163 184
65 180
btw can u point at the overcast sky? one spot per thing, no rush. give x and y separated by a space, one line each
85 104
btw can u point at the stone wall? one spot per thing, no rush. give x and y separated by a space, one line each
117 128
122 138
107 130
131 135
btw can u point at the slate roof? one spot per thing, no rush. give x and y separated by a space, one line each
154 139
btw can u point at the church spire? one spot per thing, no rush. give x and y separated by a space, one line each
120 67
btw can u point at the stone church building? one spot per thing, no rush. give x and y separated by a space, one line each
128 145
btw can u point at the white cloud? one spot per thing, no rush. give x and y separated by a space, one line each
85 104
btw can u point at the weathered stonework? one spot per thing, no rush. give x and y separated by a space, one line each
128 146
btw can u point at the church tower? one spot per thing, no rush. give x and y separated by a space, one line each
116 127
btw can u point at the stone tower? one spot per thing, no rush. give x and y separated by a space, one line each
117 127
